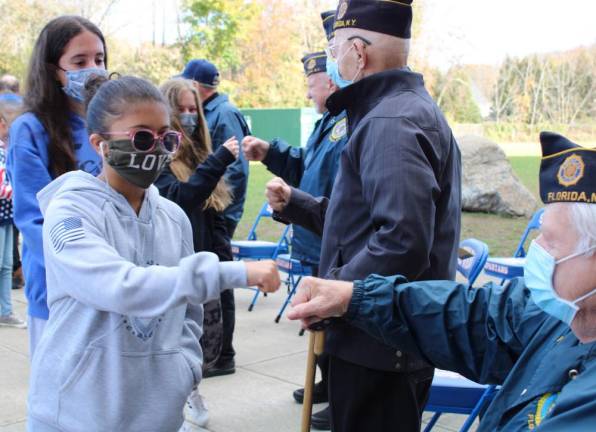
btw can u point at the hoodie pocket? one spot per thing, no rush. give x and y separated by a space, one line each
125 391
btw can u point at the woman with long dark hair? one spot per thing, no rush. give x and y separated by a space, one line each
51 139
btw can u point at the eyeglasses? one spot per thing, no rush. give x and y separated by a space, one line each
332 50
145 140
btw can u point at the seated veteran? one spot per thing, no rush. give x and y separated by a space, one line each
534 336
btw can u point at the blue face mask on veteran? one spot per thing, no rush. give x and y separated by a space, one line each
538 276
333 70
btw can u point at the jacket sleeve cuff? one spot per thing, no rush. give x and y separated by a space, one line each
296 205
272 154
356 301
224 155
232 274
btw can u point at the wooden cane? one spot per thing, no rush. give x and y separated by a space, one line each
316 342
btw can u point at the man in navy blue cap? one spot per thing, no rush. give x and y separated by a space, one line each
224 121
535 336
313 170
395 208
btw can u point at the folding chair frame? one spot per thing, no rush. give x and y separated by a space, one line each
480 255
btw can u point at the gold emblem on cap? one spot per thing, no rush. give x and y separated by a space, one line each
571 171
312 63
343 8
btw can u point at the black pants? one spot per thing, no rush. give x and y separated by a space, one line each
16 256
228 314
323 362
364 400
228 311
323 358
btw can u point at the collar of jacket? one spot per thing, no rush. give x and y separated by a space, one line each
216 100
362 96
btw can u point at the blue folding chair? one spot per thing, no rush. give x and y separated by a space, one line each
254 249
296 270
450 392
471 259
507 268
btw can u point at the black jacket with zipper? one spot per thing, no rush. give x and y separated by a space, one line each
396 202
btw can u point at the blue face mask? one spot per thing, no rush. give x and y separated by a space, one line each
538 276
333 72
76 79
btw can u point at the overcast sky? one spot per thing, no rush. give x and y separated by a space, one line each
454 31
483 31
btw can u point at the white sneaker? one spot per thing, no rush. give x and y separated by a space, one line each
195 410
12 321
188 427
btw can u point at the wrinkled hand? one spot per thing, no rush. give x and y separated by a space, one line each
255 149
278 194
263 274
317 299
233 146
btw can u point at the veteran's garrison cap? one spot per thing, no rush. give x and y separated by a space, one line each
391 17
567 170
328 18
314 63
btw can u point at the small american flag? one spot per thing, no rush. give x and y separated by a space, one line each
70 229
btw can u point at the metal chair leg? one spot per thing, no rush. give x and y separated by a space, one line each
289 297
484 401
254 300
432 422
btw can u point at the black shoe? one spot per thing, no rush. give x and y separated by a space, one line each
319 394
321 420
226 367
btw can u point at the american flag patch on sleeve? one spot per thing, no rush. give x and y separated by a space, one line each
70 229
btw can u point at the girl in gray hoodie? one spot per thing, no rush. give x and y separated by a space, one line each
121 351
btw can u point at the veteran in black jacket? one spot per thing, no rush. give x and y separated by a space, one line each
395 209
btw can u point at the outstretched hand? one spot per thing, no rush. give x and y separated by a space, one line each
263 274
232 146
278 194
317 299
255 149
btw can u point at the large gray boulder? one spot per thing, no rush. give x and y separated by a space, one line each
488 182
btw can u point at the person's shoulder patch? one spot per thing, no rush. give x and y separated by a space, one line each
66 231
339 130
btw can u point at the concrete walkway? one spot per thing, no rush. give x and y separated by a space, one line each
271 363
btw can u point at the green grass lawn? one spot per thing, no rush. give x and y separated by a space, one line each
255 198
500 233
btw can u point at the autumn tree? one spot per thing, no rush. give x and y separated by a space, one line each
554 88
214 28
21 22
